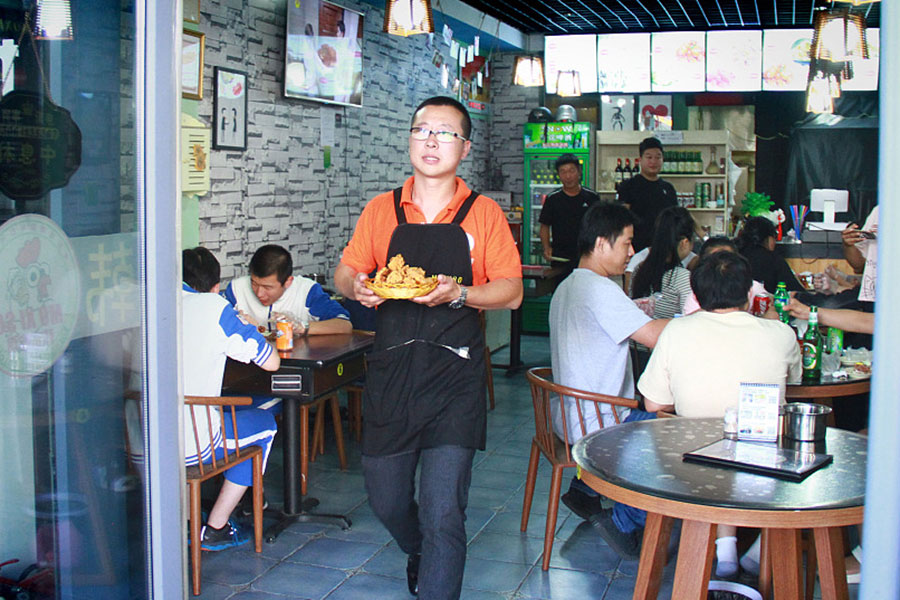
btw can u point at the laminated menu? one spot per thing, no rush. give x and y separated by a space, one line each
759 457
758 411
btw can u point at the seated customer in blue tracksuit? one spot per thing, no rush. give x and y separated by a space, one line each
211 332
592 322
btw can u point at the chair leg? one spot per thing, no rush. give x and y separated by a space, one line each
552 509
257 502
194 494
810 545
338 430
318 440
530 480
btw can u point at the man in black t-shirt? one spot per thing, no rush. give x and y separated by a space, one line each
562 212
646 194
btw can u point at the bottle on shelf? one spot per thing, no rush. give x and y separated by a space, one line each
722 166
698 162
667 164
811 348
619 173
780 301
713 167
628 174
637 166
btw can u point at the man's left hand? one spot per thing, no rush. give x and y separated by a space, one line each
446 291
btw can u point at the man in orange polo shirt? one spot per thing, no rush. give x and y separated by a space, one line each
424 398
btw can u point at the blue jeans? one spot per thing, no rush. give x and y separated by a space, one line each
626 518
435 526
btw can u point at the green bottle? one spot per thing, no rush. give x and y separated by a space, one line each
781 301
811 348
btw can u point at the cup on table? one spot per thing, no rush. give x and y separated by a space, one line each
806 278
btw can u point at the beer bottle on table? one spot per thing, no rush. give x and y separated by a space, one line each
780 301
812 348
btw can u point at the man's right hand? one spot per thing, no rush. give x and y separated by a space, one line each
364 295
548 253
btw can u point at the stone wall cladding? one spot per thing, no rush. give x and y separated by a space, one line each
278 190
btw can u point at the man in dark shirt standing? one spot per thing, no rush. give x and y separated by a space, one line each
562 212
646 194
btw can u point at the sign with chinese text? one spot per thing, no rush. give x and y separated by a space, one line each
40 145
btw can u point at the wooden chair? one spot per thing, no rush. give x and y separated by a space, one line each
318 443
197 474
558 451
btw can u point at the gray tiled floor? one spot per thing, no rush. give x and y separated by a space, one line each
310 561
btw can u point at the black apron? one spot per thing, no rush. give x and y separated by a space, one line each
418 394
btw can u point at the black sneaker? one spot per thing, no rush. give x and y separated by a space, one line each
229 536
581 504
412 573
247 504
626 545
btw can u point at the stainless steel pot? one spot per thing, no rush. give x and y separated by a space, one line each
805 422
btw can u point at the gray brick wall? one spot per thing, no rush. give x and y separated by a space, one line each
278 191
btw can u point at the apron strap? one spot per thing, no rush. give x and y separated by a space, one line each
460 214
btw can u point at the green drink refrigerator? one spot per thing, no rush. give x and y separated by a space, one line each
543 144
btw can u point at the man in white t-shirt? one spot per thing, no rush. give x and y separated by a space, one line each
211 332
271 290
701 360
591 323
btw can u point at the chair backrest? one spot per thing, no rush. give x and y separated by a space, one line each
544 392
202 409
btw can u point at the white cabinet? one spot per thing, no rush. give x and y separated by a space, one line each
688 147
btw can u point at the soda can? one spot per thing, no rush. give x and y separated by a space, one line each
285 339
761 303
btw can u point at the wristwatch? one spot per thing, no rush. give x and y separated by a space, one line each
461 301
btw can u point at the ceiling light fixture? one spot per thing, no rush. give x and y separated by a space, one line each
529 71
408 17
838 40
568 83
53 20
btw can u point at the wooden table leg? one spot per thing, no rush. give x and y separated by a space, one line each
830 554
765 566
784 546
657 532
695 552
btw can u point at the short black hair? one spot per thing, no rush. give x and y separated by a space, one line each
717 241
451 102
602 220
648 143
567 159
721 280
755 232
272 259
200 269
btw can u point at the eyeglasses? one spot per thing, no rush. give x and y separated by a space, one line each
423 133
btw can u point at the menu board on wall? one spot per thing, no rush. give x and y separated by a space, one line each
571 52
865 72
623 62
678 61
733 61
786 59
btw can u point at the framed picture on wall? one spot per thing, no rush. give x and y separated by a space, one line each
230 109
617 113
192 43
655 113
192 11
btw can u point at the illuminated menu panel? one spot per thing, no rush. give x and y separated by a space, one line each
786 59
865 72
623 62
571 52
678 61
733 61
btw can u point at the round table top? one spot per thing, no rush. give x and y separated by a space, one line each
646 457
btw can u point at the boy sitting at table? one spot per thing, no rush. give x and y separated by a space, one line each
700 361
212 331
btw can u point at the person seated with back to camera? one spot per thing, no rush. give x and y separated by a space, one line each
756 243
213 331
591 324
721 332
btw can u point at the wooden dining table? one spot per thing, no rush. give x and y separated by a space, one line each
318 365
640 464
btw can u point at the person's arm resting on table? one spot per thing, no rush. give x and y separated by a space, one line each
327 315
